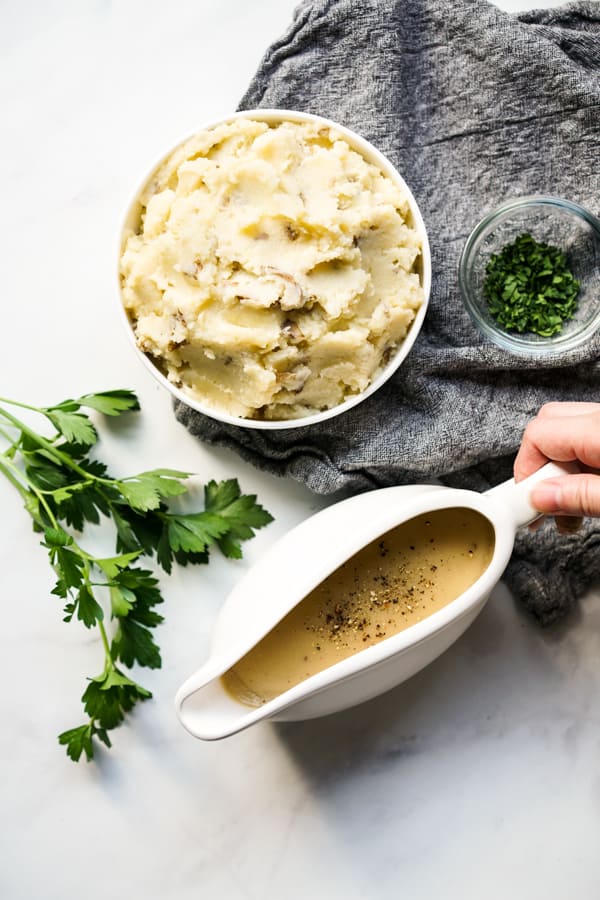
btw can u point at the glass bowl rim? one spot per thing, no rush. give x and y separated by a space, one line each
503 338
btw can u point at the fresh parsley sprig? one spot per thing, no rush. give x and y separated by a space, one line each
63 490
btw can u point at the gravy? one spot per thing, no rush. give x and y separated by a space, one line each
399 579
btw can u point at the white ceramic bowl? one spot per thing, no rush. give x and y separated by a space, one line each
372 155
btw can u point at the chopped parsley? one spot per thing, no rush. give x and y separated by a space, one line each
529 287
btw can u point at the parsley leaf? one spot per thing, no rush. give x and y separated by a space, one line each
133 643
79 740
74 426
88 609
121 601
143 584
45 474
67 563
145 491
135 529
110 403
112 565
194 532
242 514
109 696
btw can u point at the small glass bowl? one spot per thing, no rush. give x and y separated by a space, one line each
561 223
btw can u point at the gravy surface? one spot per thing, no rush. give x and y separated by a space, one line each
397 580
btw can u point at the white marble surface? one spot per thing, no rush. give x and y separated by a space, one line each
478 779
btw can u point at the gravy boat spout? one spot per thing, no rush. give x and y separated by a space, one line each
301 560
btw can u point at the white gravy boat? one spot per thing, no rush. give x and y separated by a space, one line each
301 560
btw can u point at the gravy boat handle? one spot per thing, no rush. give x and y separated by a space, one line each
516 496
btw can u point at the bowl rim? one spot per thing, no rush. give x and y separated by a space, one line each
505 339
372 155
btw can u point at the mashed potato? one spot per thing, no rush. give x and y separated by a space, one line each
273 272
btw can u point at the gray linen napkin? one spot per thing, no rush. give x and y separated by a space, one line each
473 106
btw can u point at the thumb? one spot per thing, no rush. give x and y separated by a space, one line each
572 495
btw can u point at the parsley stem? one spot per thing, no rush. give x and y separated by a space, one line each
21 405
8 469
54 452
47 445
104 637
14 442
47 509
14 475
87 561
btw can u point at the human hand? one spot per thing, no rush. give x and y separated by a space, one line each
563 432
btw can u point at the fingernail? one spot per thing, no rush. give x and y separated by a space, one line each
546 496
